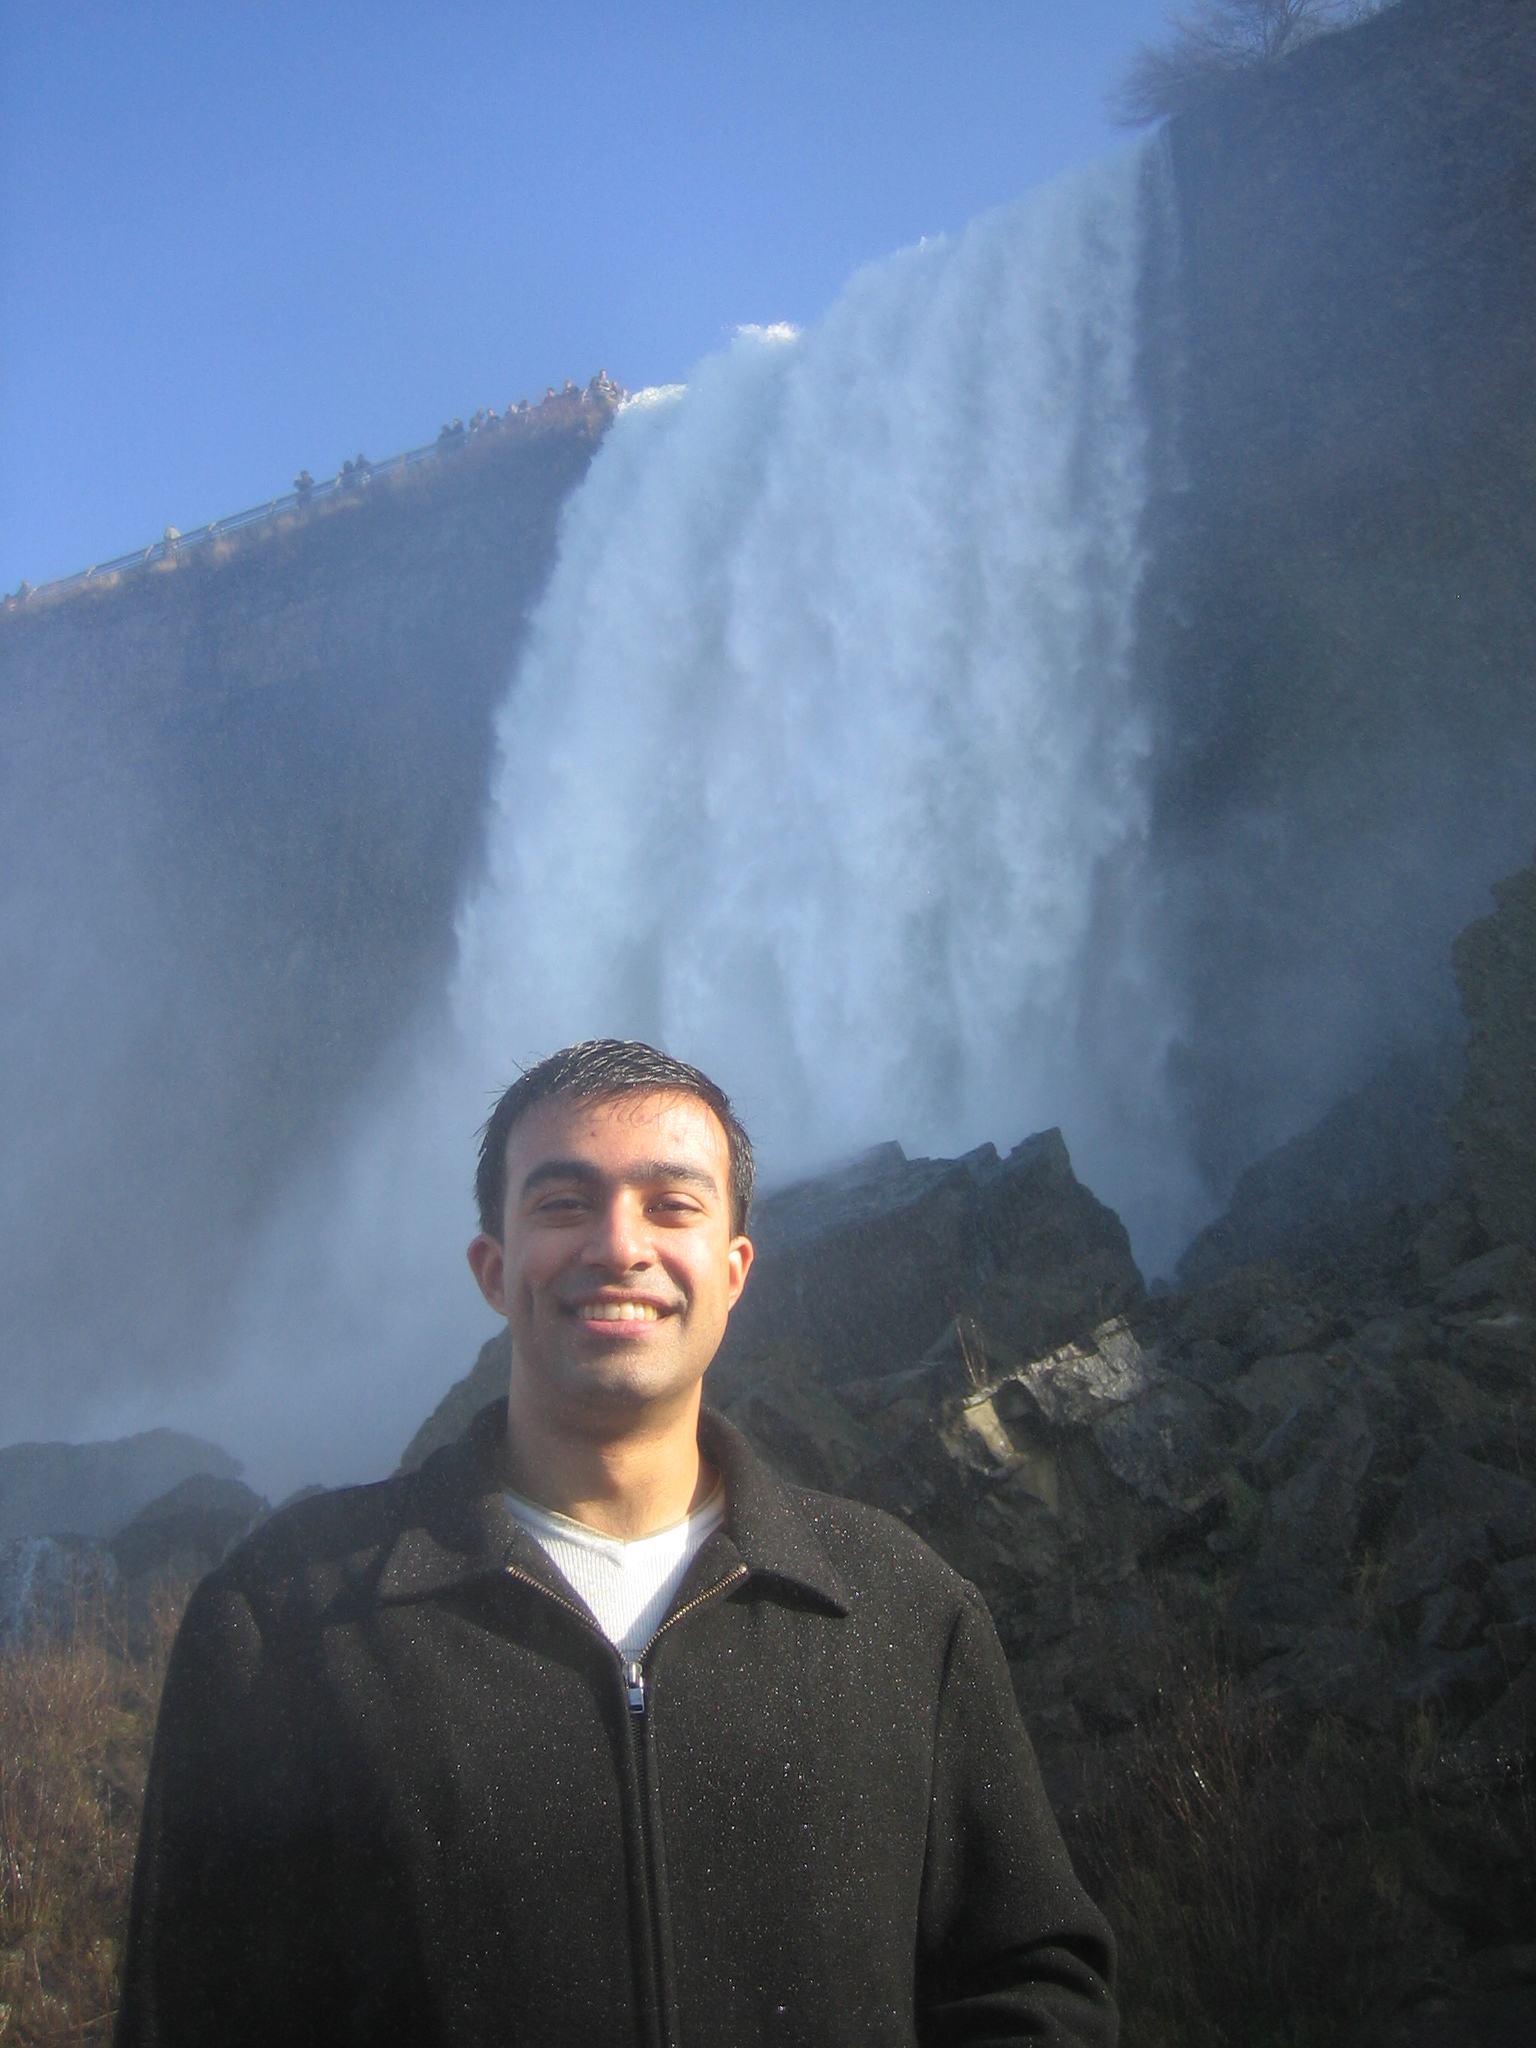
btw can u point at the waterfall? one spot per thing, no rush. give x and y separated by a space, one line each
824 768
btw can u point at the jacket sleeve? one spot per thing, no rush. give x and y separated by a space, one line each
1010 1946
222 1923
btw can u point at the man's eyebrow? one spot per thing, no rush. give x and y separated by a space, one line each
644 1173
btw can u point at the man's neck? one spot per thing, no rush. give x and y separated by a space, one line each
622 1482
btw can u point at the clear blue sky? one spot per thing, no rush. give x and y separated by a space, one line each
240 240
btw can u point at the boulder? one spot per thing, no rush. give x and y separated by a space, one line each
1339 1671
1166 1445
1503 1739
1301 1572
1446 1484
1384 1148
1079 1382
190 1530
860 1271
1445 1552
1503 1276
1512 1590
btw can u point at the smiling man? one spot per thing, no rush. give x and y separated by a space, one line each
592 1731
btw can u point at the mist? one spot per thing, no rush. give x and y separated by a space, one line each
1062 685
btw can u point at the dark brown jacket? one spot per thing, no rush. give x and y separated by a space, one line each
402 1793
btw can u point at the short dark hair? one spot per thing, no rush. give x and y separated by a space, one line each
599 1067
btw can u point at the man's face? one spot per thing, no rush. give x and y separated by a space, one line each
617 1267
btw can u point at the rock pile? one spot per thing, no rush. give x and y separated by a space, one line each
1316 1480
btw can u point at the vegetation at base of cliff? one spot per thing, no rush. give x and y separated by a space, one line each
77 1715
1263 1870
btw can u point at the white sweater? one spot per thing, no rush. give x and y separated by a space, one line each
628 1586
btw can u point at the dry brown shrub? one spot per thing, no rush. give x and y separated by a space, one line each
1255 1899
77 1714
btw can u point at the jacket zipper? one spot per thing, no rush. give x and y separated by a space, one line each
632 1674
634 1671
643 1752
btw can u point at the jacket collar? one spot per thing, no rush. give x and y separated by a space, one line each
458 1528
772 1534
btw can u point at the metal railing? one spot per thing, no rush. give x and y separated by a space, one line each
350 480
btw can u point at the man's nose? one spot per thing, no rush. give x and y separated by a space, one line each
619 1240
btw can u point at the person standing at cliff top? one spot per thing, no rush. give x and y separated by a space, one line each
592 1731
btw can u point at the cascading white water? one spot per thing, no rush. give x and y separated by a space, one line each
823 769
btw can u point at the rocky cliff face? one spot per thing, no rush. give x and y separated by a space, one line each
861 1272
47 1581
244 789
92 1489
1263 1556
1339 620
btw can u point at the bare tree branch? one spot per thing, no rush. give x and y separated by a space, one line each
1216 40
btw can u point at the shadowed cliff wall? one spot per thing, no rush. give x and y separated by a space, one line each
241 793
1340 621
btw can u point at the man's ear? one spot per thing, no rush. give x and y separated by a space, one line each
488 1262
740 1265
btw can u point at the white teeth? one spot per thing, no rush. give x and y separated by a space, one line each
620 1312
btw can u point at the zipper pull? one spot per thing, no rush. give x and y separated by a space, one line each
634 1687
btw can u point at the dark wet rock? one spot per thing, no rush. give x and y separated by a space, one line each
1384 1148
1450 1237
91 1489
1166 1445
1289 1326
1447 1482
1497 1351
804 1431
1209 1363
1512 1642
1391 1340
1302 1570
859 1272
189 1530
1225 1311
1511 1590
1506 1274
1453 1682
1502 1739
1452 1620
1332 1670
1274 1389
1444 1551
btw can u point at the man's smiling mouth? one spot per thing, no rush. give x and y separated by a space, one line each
618 1311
